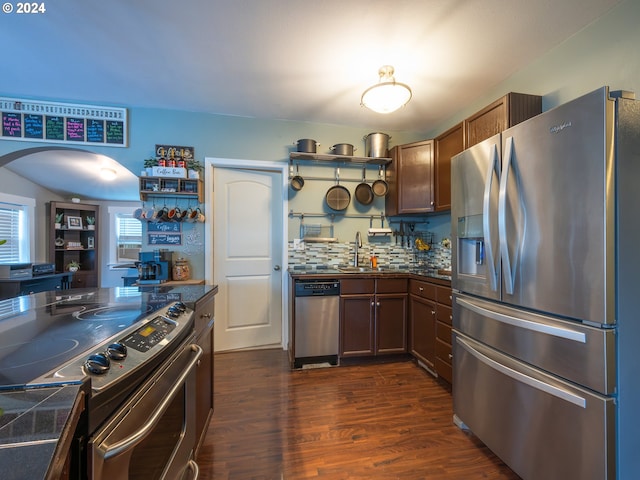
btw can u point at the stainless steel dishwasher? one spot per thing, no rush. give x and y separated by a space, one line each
317 312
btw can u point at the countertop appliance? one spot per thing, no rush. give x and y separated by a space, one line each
316 326
135 351
16 270
154 267
545 239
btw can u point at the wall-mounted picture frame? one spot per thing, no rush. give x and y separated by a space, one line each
90 242
74 223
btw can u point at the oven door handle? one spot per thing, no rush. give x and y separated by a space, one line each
137 436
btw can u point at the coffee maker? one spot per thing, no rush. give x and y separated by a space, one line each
154 267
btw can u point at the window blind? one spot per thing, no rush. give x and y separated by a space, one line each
10 231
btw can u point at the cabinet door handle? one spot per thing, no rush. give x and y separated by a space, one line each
433 312
377 304
205 315
450 357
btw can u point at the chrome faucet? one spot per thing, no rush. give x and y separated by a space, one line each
358 244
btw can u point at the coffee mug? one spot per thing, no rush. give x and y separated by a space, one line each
138 213
163 214
195 214
174 214
149 213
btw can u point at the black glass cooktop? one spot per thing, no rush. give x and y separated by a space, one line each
42 332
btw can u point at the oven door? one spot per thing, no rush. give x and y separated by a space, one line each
152 435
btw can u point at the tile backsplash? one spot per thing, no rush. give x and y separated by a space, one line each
331 255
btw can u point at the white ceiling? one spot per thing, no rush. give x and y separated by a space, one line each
297 60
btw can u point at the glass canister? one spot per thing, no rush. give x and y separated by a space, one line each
181 270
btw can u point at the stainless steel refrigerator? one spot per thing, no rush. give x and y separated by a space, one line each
546 277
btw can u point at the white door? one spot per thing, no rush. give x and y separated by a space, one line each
247 251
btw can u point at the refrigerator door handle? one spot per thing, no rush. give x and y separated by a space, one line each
522 378
502 219
486 219
560 332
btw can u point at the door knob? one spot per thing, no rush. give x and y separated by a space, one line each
276 268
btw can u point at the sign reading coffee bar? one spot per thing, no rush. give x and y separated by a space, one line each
36 121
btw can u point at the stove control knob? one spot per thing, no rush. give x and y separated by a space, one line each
98 364
117 351
181 307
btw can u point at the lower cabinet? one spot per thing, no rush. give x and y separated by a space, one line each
430 324
204 316
373 316
422 321
444 321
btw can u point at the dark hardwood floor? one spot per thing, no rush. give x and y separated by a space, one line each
375 421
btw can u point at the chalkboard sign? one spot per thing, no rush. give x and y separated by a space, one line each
54 127
165 239
115 132
95 130
11 124
33 126
75 129
30 120
164 227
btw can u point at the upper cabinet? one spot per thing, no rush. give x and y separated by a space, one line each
410 176
447 145
505 112
419 175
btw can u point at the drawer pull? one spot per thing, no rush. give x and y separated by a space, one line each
421 289
450 356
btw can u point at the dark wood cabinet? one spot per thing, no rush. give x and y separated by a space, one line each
444 321
204 317
505 112
373 316
410 177
422 321
430 323
74 237
447 145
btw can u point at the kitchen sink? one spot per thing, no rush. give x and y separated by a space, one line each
352 269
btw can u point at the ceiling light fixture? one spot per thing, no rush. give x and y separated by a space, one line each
107 174
388 95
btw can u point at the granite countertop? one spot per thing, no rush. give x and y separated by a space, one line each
32 422
416 272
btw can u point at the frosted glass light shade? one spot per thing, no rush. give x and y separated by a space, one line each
388 95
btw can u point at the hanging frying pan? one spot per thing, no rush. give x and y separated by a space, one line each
364 194
380 187
297 182
338 197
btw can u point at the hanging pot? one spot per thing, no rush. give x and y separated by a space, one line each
297 182
342 149
364 194
376 145
380 187
338 197
306 145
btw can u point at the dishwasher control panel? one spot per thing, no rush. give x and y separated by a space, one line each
308 288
